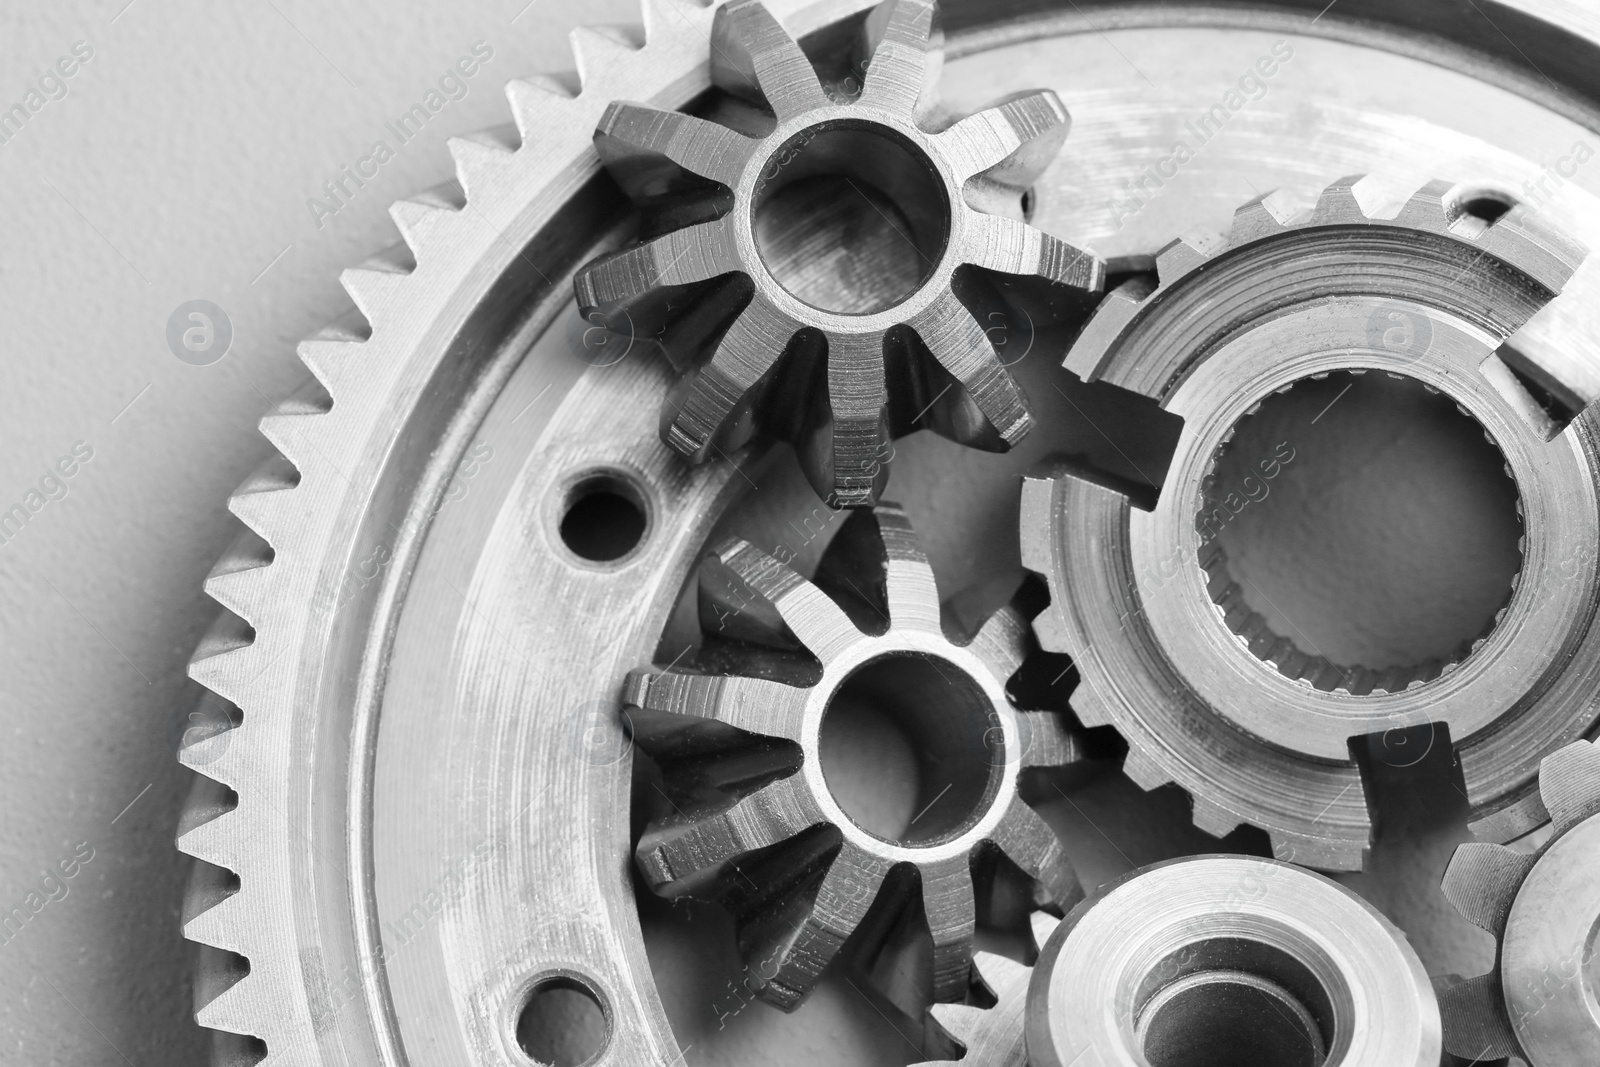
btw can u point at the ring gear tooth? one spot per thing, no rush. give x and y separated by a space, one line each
752 823
250 984
1153 335
753 357
1542 909
993 1036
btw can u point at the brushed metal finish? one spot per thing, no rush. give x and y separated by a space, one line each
1254 726
1541 1001
820 872
840 386
1229 920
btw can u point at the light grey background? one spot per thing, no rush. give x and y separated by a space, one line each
178 166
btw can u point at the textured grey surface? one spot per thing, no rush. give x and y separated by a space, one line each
177 166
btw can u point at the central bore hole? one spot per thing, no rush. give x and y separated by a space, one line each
1230 1019
1233 1002
1360 531
910 749
850 217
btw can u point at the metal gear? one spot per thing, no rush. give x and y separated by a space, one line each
1539 1001
744 755
1252 725
1194 960
839 367
993 1036
410 673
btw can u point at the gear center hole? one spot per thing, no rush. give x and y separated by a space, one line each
850 217
1233 1002
1360 531
910 749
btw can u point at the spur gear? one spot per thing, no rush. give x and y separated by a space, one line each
1253 726
753 819
838 366
1543 909
993 1036
1194 960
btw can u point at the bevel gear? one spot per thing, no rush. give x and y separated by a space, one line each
1254 727
993 1036
1543 908
752 819
758 352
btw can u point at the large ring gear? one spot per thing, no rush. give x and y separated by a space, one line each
459 744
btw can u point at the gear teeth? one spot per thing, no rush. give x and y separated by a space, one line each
262 501
1086 701
1473 1014
1215 819
1265 216
1089 354
1569 784
597 49
205 912
532 98
1340 203
423 222
1183 257
218 662
484 161
285 425
237 581
377 287
1137 765
1482 881
203 830
218 1002
330 354
236 1050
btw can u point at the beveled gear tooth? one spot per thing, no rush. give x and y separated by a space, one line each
957 342
207 916
600 49
421 222
238 580
1266 216
222 662
265 501
1138 765
1186 255
1569 783
1214 819
1091 354
1009 144
291 419
1481 883
906 41
483 161
222 996
1473 1014
205 823
377 288
1338 203
1043 924
753 56
1087 702
1038 500
533 96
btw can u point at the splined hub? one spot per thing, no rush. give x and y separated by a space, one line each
774 339
752 819
1254 725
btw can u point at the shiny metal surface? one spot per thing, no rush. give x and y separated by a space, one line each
1149 971
993 1036
420 811
841 380
1540 1002
822 869
1255 724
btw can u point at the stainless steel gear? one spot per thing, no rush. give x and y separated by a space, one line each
838 366
993 1036
1253 725
744 754
412 821
1543 908
1193 961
